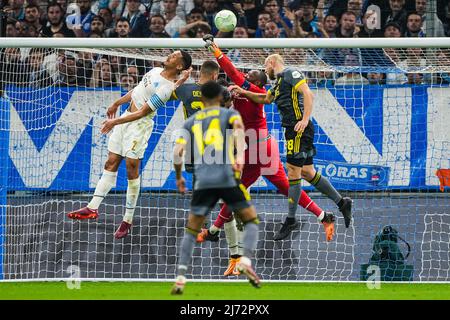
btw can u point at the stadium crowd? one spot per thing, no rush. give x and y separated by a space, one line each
194 19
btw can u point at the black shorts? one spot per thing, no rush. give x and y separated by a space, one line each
204 200
300 148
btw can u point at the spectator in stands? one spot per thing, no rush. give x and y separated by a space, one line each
397 12
22 29
347 27
330 26
82 22
157 25
37 75
122 29
133 71
283 23
263 18
15 9
202 30
184 7
194 20
240 32
32 32
66 74
85 62
321 79
356 6
414 25
211 7
443 12
107 16
56 22
63 4
173 21
443 58
305 21
352 78
271 30
251 10
415 78
386 9
103 77
137 20
32 16
98 26
14 70
335 7
392 30
437 27
11 30
127 82
237 55
376 78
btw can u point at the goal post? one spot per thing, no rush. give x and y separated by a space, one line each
381 114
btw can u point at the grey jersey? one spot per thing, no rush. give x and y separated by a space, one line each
190 95
289 101
207 135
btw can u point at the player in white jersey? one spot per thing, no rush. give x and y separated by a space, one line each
132 130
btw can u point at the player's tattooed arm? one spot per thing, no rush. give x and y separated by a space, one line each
308 98
112 109
261 98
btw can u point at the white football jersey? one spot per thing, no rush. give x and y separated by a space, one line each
153 89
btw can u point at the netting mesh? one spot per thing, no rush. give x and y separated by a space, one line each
381 118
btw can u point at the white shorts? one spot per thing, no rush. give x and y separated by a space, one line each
131 139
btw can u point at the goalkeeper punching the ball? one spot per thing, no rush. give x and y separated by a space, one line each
294 99
261 158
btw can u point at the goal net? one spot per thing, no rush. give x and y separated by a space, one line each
381 119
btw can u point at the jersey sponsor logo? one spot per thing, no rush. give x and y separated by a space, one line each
296 74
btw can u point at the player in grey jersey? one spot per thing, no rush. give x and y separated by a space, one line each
216 177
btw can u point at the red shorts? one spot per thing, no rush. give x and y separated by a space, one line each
263 159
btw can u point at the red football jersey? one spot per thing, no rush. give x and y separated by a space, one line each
252 113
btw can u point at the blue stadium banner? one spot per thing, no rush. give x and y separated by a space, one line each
367 138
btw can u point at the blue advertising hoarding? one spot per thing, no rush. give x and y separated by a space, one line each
367 138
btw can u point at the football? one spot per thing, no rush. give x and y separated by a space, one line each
225 21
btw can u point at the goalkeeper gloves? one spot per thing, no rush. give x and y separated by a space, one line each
211 46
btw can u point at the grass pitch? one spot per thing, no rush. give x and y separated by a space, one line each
221 291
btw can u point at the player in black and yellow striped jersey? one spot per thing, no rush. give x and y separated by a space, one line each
190 93
215 133
294 100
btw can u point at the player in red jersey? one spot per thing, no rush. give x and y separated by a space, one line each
262 157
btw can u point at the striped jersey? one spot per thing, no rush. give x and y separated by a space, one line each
289 101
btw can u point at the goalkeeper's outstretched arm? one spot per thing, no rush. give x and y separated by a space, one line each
230 70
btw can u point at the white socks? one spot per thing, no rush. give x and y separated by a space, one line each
134 186
233 236
104 185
